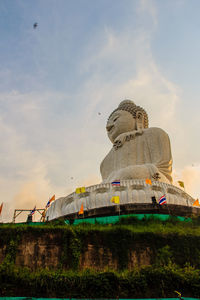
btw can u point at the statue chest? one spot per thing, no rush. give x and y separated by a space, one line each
131 153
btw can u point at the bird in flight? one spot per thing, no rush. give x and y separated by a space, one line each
35 25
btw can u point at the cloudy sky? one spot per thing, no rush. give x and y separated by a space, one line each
85 57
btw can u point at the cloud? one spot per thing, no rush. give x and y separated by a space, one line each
32 188
50 137
190 175
148 7
126 59
40 150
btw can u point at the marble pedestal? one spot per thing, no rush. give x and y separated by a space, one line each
132 193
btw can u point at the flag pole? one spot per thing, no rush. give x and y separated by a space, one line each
1 207
187 198
165 193
167 204
168 209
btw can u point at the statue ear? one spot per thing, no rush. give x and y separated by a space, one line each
139 120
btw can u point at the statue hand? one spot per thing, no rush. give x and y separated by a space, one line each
123 137
120 140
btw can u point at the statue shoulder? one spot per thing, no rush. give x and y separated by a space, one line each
156 131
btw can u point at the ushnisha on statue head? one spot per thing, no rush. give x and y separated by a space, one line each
127 117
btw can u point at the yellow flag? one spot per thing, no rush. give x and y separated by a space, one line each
196 203
83 189
181 183
148 181
80 190
81 211
115 199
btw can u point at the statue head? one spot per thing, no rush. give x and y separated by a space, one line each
126 117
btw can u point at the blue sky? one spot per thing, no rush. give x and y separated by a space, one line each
85 57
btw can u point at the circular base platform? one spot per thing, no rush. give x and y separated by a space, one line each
135 196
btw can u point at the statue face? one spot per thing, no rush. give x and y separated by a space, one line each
121 121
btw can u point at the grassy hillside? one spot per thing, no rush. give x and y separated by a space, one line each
175 260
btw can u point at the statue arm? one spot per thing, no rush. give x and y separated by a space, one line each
125 137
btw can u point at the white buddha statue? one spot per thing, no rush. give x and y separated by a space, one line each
138 152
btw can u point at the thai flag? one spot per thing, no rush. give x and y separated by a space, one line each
162 200
116 183
33 211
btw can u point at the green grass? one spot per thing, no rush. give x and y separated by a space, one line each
175 265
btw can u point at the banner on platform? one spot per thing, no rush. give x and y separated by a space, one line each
80 190
196 203
148 181
181 183
116 183
81 211
115 199
33 211
162 200
50 200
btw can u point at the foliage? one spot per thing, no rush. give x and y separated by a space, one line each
57 222
148 282
164 256
166 239
175 259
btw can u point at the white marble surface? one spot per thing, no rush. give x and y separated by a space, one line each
138 152
130 191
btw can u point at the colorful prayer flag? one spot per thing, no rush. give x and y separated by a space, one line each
1 206
148 181
162 200
50 200
80 190
48 204
181 183
33 211
81 211
196 203
116 183
115 199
